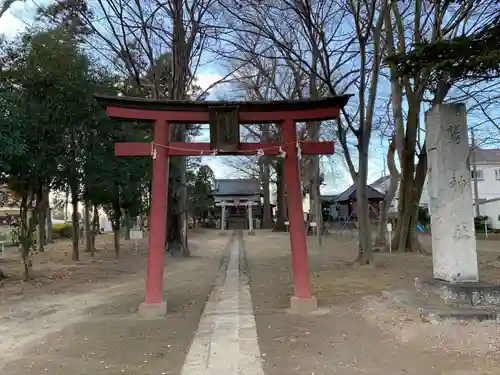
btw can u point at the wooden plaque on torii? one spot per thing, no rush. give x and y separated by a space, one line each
224 129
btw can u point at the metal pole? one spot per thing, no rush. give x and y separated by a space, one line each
474 174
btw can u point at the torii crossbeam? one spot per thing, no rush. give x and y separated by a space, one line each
222 117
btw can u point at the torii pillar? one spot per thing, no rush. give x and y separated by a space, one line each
163 113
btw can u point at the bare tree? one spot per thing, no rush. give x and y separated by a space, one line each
410 23
157 49
310 38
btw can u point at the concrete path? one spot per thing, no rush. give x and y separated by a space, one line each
226 340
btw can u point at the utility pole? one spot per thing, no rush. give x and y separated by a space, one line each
474 173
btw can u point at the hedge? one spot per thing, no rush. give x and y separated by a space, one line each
62 230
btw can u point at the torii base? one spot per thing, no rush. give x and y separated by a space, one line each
153 310
303 306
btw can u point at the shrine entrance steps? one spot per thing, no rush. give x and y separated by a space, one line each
237 223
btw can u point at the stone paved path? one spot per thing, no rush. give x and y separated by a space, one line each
226 339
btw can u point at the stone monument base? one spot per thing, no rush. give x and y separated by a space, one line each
473 294
435 309
437 299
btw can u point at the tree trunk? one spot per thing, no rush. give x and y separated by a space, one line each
381 238
95 229
406 190
116 240
405 236
26 267
42 218
264 169
183 217
280 197
176 236
127 225
49 226
88 232
76 224
413 243
25 235
177 200
315 210
142 220
66 205
363 211
267 215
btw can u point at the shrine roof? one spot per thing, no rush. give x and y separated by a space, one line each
350 194
235 187
202 106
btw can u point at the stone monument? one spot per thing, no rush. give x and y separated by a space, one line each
452 222
454 256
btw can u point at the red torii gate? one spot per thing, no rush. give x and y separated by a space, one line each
163 113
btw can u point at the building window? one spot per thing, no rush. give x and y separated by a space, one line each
497 174
479 175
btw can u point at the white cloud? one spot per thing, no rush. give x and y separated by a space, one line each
19 16
10 24
204 80
220 169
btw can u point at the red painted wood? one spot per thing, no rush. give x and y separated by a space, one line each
298 235
203 117
151 115
157 219
297 116
133 149
193 149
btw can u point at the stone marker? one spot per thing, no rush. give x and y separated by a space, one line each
453 235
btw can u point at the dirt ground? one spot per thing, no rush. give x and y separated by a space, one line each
84 321
94 328
356 331
54 265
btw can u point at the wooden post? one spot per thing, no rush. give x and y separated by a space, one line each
154 303
302 301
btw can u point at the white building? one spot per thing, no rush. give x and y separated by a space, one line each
488 174
488 184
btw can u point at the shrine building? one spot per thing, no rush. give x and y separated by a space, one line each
236 197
